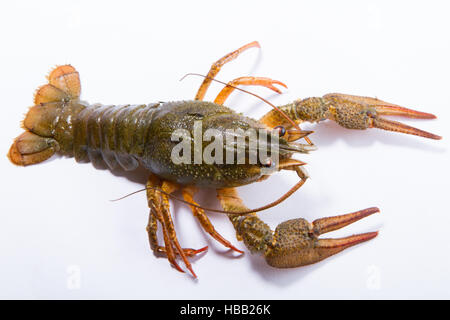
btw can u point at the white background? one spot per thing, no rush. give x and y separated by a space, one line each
61 237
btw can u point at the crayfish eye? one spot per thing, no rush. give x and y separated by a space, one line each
268 163
281 130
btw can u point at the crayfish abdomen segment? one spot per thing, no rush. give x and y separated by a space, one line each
114 134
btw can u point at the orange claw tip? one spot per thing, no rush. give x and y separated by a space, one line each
192 272
237 250
396 126
346 242
253 44
201 250
425 115
403 112
435 137
358 238
273 88
324 225
369 211
426 134
176 266
280 83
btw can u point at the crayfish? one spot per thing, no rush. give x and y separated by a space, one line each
148 135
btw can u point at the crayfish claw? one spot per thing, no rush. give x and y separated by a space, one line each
355 112
296 243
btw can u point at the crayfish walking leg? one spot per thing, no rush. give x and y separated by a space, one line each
160 211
